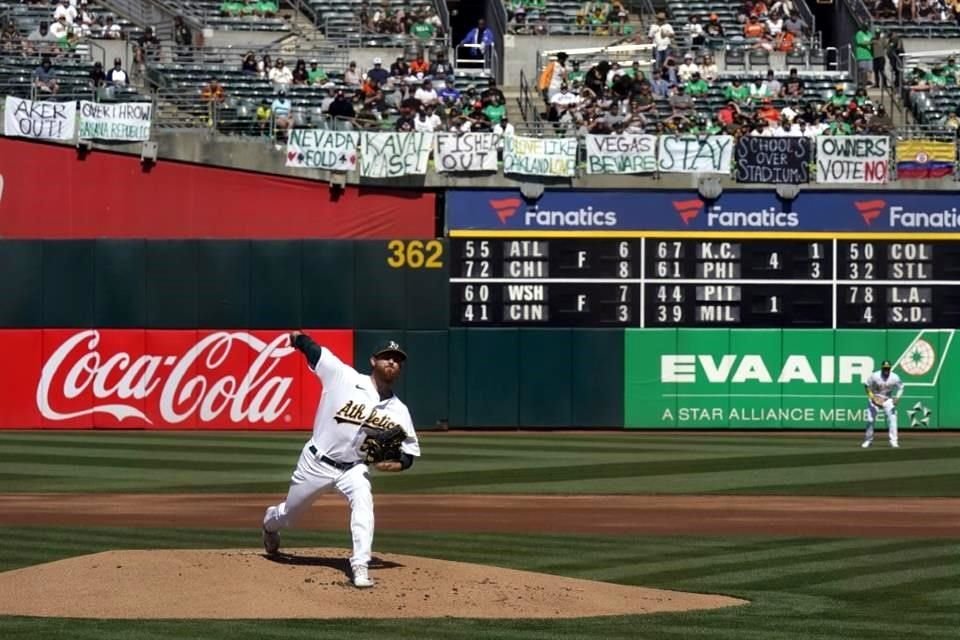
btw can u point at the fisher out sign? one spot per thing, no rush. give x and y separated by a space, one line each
41 120
393 155
128 121
623 153
322 149
465 152
760 159
856 159
785 378
693 154
540 156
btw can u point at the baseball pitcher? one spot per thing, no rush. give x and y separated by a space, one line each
360 421
884 389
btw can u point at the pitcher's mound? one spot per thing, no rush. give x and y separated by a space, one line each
313 583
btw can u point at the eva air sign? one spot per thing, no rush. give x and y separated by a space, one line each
773 378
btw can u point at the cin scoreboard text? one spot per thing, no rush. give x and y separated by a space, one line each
691 282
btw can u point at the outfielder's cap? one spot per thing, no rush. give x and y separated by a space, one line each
885 364
390 347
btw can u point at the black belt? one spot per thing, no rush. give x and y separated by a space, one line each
343 466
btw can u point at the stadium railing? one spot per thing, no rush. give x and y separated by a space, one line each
154 14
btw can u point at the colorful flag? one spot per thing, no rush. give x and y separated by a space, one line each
925 159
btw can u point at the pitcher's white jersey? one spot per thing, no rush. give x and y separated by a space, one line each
892 387
349 401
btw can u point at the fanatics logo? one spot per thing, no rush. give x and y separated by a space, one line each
505 208
688 209
870 210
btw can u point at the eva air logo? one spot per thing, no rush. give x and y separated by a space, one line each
919 415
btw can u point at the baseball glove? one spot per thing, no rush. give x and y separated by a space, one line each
383 445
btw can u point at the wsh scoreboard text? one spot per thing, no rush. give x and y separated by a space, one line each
684 281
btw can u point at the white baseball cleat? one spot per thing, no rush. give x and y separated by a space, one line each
271 539
895 445
361 579
866 444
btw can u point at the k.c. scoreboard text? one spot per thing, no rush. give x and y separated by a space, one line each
684 281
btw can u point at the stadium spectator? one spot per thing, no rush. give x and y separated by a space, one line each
300 75
863 51
282 110
351 77
714 29
419 65
689 67
879 49
794 24
681 104
117 77
66 11
399 69
908 8
249 66
378 73
317 77
150 45
182 38
553 76
280 75
263 116
97 78
109 30
58 29
426 94
45 77
214 95
754 28
85 22
440 69
661 34
10 40
697 86
709 68
478 39
694 31
793 87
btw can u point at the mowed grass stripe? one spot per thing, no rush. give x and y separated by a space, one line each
879 486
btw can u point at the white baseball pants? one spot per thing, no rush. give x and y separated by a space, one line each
312 478
890 410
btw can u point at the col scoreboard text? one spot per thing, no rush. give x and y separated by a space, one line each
688 282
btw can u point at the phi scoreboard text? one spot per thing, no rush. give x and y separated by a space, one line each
700 282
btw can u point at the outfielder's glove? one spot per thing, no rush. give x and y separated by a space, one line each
382 445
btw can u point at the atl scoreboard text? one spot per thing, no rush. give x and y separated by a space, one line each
693 282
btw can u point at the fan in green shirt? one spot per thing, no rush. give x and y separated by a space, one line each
267 8
316 75
839 128
697 86
863 49
495 112
937 77
575 75
422 30
737 92
232 8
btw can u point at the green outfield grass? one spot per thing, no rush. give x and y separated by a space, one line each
799 588
642 463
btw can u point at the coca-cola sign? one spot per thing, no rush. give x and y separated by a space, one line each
165 379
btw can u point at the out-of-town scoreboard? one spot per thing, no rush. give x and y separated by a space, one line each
662 280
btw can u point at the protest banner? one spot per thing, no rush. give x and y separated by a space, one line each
322 149
773 160
392 155
623 153
540 156
37 119
465 152
853 159
128 121
924 159
693 154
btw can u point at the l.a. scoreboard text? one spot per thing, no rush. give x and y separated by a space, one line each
685 281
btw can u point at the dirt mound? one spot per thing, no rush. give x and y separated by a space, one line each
313 583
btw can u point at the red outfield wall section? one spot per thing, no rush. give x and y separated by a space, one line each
161 379
47 192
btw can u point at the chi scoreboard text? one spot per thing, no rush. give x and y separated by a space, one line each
687 281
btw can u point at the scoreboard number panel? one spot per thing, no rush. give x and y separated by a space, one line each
701 282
